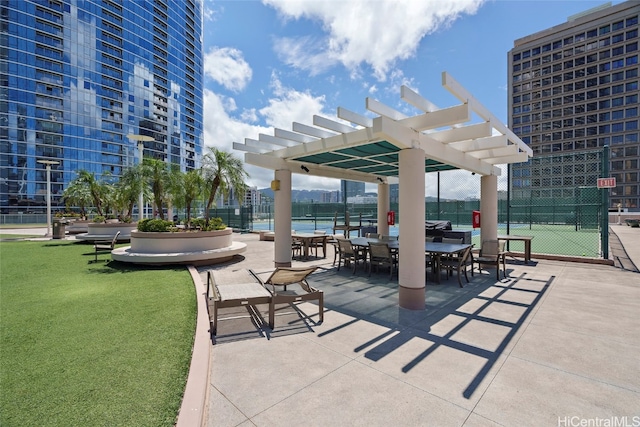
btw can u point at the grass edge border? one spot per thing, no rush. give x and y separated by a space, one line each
194 406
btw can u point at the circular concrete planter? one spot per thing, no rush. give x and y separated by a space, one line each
78 226
102 231
180 247
180 241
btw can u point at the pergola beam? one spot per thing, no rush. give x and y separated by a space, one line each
463 95
399 135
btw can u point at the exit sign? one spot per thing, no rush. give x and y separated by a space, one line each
606 182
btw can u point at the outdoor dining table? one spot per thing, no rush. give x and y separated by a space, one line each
307 239
437 249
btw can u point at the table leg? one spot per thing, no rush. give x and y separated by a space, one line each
527 251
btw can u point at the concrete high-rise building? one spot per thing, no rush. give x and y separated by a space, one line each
351 189
78 77
573 89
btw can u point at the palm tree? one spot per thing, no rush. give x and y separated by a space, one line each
192 185
77 194
128 189
222 171
157 175
96 189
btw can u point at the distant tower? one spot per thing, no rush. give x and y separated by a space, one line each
77 77
573 89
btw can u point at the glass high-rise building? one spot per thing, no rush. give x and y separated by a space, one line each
78 76
573 89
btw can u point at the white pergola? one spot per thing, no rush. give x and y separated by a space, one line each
392 148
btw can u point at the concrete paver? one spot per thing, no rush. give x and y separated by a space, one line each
553 340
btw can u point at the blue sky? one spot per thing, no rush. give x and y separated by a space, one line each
269 63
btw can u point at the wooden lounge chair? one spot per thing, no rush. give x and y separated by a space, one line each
491 253
234 295
277 284
102 246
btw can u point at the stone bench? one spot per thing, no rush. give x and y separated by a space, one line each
267 235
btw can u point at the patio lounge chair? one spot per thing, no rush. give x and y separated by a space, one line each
102 246
277 284
492 252
234 295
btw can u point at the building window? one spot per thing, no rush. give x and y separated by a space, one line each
617 127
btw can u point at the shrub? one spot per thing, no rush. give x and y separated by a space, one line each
214 224
155 225
98 219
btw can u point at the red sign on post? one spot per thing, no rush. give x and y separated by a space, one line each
606 182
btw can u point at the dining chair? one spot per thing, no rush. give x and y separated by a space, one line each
349 253
296 248
458 263
333 241
381 256
320 243
491 253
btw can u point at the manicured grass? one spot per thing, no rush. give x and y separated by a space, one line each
17 236
87 344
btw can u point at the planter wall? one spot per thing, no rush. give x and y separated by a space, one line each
199 247
176 242
102 229
78 226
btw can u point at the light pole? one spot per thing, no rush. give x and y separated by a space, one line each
141 140
48 164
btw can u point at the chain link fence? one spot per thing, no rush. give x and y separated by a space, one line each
553 198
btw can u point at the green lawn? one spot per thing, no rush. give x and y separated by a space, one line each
88 344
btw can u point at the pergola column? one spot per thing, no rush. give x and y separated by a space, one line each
411 270
383 208
282 219
488 208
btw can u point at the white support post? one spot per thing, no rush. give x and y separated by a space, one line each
383 207
411 271
282 219
488 208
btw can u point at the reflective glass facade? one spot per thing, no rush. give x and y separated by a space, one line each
574 88
78 76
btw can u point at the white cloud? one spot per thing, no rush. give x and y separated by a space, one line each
222 128
377 33
289 105
227 66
